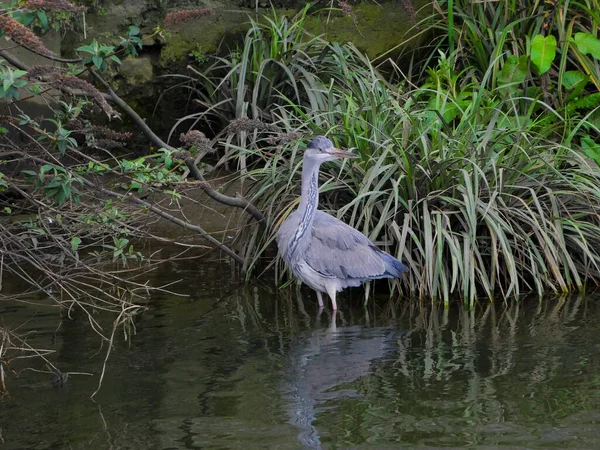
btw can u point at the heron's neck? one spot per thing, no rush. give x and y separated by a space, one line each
309 200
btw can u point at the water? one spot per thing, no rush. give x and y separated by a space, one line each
246 367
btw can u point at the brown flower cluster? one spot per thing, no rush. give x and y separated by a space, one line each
237 126
23 36
248 125
103 137
70 84
410 10
58 5
196 139
281 139
346 8
179 17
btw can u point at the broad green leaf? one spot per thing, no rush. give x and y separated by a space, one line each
588 43
86 49
43 18
514 71
591 149
543 51
7 83
97 60
24 18
133 30
575 81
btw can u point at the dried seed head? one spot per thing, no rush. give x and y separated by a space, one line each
42 72
23 36
69 82
55 77
280 139
346 8
410 10
196 139
237 126
57 5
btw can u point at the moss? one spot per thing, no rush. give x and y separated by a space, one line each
205 33
375 29
137 71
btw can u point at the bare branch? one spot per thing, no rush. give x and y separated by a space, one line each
238 202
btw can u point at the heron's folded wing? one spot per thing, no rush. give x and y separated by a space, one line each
338 250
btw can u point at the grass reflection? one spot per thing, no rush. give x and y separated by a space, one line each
422 374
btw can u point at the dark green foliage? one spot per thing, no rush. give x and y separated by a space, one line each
480 187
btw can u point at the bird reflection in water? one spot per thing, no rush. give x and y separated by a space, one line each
321 362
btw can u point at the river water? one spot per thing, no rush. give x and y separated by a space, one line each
234 366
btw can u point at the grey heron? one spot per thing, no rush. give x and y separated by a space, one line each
321 250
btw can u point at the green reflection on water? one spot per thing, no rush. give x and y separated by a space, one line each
248 367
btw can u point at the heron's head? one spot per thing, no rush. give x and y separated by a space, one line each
321 149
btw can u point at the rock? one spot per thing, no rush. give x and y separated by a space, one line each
136 72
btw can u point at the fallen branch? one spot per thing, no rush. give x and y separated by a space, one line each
238 202
159 212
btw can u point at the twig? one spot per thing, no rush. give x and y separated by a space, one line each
130 198
238 202
13 60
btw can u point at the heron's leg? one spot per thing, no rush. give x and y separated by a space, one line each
320 299
333 323
332 293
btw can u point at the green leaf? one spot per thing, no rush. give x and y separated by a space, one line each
75 241
136 185
514 71
575 81
543 51
106 49
25 19
115 58
133 30
8 82
587 101
591 149
588 43
43 18
98 61
86 49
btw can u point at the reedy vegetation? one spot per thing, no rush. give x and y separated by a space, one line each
468 174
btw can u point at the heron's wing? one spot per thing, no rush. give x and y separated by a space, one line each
338 250
286 232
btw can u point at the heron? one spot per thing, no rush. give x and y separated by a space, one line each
322 251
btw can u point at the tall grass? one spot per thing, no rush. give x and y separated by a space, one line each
482 190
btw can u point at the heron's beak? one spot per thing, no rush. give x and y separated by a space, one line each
338 153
